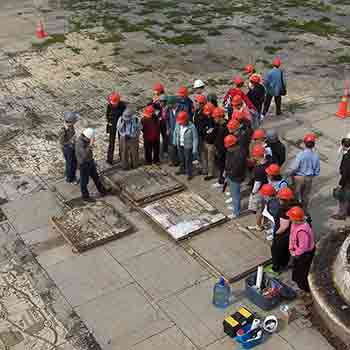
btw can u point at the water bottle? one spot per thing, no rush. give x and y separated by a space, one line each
222 294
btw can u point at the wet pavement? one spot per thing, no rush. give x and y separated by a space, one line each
144 291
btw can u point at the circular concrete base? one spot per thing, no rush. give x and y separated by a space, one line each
329 303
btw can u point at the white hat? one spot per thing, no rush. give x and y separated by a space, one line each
348 135
198 84
89 133
270 324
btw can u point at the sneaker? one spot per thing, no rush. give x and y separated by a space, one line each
269 231
230 207
216 185
227 194
269 237
228 201
262 117
255 228
232 216
189 178
221 181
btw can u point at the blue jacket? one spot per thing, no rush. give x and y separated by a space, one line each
306 163
190 137
273 82
185 104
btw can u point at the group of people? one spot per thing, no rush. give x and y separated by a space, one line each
228 143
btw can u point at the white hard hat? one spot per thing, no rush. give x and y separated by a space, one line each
198 84
89 133
348 135
270 324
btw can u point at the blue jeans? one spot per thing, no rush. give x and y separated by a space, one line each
235 190
185 157
71 163
87 170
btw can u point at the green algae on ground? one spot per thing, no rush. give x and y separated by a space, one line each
110 38
185 39
343 59
50 40
272 50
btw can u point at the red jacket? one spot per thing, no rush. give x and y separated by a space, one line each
151 128
236 91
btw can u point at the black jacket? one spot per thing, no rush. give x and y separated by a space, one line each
113 114
83 150
220 132
345 170
202 123
257 96
278 152
244 134
236 164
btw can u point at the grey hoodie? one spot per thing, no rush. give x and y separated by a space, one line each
83 150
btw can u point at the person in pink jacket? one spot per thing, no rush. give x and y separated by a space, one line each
301 247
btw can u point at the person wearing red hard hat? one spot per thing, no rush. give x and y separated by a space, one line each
236 91
304 168
270 211
274 177
275 85
218 135
151 135
204 122
184 103
301 247
115 109
256 94
186 141
256 202
249 69
235 170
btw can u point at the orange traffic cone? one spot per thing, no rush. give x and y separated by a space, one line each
343 108
40 32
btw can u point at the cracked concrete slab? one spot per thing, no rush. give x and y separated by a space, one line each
165 270
123 318
87 276
32 212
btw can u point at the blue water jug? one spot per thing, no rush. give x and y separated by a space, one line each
222 294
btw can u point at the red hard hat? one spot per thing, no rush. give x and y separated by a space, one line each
240 115
258 151
249 68
310 137
218 113
233 124
229 141
255 78
237 100
238 80
273 170
285 193
208 109
267 190
158 87
148 111
183 91
201 99
296 214
276 61
259 134
114 99
182 117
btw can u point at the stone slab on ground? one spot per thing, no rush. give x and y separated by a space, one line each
230 251
184 214
32 211
124 317
144 184
165 270
84 277
193 312
170 339
90 225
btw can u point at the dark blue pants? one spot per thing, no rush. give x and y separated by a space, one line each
186 158
87 170
71 163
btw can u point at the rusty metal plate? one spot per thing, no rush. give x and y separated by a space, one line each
184 214
144 184
88 226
